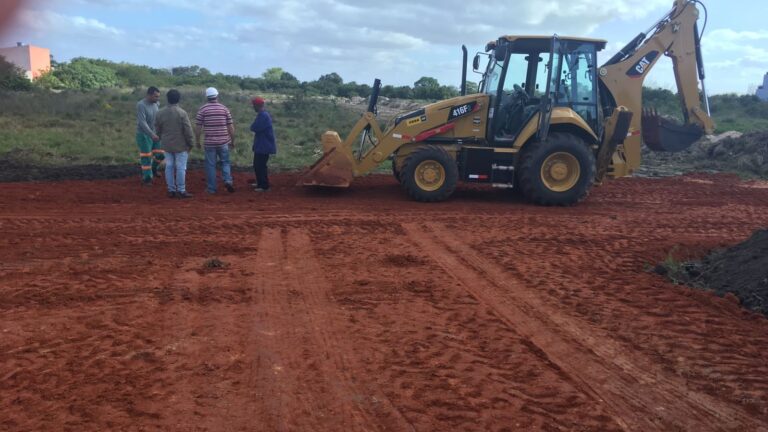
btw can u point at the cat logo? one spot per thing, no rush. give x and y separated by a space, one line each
639 68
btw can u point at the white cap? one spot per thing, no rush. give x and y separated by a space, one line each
211 92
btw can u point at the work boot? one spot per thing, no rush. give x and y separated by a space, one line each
184 195
171 194
229 187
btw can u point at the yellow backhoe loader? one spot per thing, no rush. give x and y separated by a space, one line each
547 119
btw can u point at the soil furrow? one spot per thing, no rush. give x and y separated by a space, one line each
596 362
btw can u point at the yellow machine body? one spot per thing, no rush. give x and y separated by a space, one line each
555 139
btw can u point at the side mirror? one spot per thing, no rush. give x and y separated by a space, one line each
476 62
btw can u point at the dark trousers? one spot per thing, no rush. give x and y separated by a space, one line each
260 168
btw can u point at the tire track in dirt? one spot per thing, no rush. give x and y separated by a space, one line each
380 413
710 343
640 397
300 391
269 357
445 360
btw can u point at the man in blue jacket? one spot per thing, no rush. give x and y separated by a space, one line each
263 144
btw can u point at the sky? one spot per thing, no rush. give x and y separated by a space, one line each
398 41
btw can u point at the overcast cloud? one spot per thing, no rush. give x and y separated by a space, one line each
397 41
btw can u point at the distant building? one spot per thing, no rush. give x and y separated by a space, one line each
33 60
762 91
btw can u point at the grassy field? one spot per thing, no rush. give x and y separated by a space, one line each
72 128
742 113
48 129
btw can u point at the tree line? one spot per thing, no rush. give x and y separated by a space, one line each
83 73
735 111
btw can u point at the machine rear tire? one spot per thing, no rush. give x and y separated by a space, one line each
558 171
429 174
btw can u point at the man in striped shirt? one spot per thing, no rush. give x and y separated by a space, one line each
215 120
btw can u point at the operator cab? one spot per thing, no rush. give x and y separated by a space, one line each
526 75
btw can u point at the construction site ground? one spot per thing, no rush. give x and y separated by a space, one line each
360 310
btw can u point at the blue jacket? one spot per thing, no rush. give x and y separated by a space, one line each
264 135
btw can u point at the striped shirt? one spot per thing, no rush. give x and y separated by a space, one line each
214 118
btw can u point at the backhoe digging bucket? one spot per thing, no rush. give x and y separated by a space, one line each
334 169
661 134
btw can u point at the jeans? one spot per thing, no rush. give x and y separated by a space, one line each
210 166
176 171
260 169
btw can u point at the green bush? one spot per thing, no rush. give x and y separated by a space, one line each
12 77
85 74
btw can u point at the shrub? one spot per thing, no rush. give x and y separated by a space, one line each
12 77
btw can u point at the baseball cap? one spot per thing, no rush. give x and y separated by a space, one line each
257 101
211 92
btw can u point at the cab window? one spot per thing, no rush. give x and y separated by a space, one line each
577 87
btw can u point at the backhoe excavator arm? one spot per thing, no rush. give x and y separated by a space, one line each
676 35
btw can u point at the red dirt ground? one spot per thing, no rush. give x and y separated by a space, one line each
362 310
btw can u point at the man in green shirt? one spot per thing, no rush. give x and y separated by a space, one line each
150 151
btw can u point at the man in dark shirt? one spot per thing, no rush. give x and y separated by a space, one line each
263 144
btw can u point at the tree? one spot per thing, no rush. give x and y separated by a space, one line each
84 74
331 78
426 82
48 81
363 90
273 74
249 83
347 90
186 71
447 92
426 88
402 92
12 77
288 81
136 76
328 84
472 87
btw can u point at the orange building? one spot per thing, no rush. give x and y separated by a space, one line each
33 60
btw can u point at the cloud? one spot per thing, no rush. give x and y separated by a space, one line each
43 21
744 57
399 40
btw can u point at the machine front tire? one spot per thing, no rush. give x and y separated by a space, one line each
558 171
395 171
429 174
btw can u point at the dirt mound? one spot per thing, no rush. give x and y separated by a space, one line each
741 270
387 108
14 171
745 154
19 171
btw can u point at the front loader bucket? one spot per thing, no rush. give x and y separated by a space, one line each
663 135
334 169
